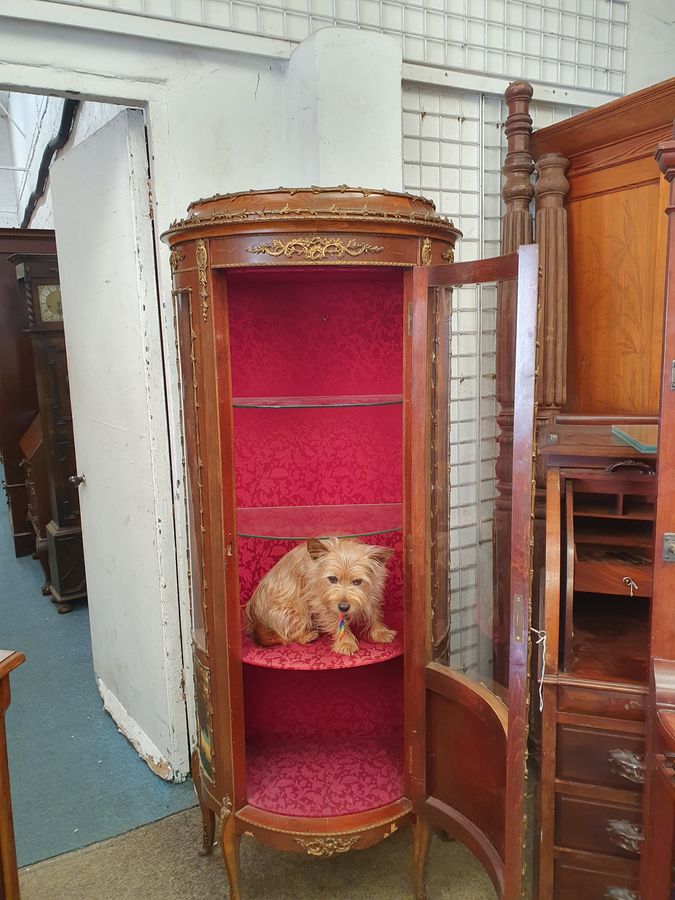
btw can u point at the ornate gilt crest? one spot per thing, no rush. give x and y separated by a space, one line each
426 252
315 248
225 813
328 846
448 255
202 274
176 258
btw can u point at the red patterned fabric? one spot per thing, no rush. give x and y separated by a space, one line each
324 733
306 457
316 332
320 778
318 655
324 743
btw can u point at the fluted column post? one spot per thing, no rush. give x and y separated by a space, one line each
517 193
551 227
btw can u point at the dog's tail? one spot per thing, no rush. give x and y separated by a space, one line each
265 636
261 634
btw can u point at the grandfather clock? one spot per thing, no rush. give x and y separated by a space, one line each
40 297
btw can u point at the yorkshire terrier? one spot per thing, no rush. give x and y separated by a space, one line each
324 586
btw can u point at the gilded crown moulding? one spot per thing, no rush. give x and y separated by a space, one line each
339 205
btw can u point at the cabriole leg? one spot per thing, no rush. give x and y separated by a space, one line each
230 842
208 815
421 839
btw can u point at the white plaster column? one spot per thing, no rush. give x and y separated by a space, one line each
343 98
651 43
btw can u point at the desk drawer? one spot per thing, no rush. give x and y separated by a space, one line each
600 756
600 879
614 829
614 703
599 572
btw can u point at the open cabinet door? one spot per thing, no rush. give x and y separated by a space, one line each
112 327
473 771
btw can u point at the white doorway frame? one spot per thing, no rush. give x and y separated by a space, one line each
175 585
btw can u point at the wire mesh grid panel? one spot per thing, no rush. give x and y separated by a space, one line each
579 43
454 147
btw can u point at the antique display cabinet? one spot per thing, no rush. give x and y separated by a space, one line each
314 350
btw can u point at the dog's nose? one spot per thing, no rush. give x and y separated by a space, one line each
343 606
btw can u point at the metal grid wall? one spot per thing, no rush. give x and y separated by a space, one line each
453 145
579 43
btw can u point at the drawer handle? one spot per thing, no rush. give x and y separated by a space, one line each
618 893
628 765
624 834
635 464
630 584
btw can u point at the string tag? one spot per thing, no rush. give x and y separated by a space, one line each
541 639
341 626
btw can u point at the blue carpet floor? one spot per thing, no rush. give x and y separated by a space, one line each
75 779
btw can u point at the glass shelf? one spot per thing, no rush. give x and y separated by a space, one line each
316 402
290 523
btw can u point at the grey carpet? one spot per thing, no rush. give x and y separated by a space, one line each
160 862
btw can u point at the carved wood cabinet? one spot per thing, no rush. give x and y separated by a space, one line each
606 249
314 350
18 391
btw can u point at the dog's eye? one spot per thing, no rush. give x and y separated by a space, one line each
357 581
333 579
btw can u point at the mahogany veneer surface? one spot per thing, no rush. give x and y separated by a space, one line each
611 638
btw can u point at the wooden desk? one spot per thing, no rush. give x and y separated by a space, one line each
9 877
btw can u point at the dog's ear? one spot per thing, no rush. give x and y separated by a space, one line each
380 554
316 548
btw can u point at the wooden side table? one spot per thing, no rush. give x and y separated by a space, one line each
9 876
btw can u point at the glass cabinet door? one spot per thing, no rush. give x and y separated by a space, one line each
478 635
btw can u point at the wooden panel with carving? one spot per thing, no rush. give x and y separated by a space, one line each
616 260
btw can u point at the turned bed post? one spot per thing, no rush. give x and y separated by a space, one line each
550 234
517 193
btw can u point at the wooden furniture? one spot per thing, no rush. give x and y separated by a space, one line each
314 352
599 548
9 878
34 463
18 391
656 871
40 295
605 250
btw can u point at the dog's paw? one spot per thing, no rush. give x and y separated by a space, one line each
308 637
345 647
382 635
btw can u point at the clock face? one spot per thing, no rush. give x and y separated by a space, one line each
49 298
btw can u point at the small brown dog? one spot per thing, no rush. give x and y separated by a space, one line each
316 586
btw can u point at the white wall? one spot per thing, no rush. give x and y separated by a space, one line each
651 43
8 206
226 111
216 122
39 117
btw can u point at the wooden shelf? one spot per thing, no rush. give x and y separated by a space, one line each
316 402
614 533
608 509
297 523
318 655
